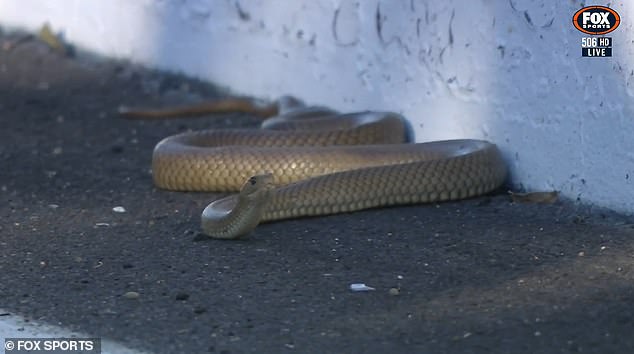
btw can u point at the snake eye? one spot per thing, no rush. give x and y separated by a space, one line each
253 181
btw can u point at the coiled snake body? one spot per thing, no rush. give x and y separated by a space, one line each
313 161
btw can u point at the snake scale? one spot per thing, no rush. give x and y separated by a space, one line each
310 161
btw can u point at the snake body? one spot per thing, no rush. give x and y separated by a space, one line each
313 161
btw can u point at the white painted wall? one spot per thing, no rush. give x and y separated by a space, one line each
505 70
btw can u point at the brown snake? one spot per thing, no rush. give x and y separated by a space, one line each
313 161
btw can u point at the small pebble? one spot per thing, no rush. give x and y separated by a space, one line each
360 287
394 291
118 209
131 295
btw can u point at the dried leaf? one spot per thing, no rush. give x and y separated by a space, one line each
47 36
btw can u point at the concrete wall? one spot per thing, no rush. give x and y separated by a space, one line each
507 70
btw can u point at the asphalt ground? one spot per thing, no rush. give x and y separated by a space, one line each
485 275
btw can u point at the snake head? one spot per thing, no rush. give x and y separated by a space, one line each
257 185
235 216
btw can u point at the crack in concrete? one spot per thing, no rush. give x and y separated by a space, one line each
379 18
335 34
